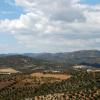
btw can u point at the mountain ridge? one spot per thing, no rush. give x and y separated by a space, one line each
51 61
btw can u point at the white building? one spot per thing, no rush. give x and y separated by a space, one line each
80 66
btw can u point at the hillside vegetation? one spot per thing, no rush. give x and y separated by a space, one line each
80 86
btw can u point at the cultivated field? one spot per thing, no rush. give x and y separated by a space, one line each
52 75
7 70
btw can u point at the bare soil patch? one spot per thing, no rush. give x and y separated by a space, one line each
7 70
52 75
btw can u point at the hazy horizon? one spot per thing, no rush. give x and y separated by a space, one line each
12 53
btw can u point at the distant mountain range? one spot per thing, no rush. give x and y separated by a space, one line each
51 61
85 57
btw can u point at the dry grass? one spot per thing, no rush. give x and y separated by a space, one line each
8 70
53 75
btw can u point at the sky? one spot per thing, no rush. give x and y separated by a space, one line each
32 26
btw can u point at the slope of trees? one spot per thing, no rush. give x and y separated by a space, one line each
81 85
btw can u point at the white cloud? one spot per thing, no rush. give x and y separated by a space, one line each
55 25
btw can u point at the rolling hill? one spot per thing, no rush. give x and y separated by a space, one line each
85 57
50 61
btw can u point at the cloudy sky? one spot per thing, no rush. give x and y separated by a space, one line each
49 25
